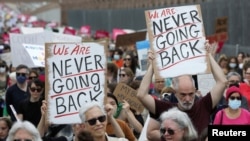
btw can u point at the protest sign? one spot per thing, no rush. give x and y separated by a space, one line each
18 53
85 30
36 53
124 92
205 83
129 39
75 75
142 51
177 37
6 57
221 25
116 32
30 30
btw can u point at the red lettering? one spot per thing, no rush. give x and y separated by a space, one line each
166 12
153 15
60 50
80 50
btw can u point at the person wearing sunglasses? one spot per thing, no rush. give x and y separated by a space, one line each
184 85
23 131
29 109
177 126
234 79
33 74
126 75
94 120
17 92
130 61
233 114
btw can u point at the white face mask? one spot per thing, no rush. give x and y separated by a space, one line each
234 104
2 70
232 65
116 57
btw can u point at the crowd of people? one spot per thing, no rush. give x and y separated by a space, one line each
177 109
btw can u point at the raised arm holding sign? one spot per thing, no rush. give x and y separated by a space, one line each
182 81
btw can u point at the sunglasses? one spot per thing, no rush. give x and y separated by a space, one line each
122 75
22 140
126 59
36 89
32 77
235 97
23 74
93 120
169 130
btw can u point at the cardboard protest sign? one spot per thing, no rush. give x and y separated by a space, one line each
130 39
75 75
20 55
142 51
205 83
177 37
124 92
36 53
221 25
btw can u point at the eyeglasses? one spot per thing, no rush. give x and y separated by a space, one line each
23 74
127 59
22 140
235 97
93 120
36 89
32 77
169 130
122 75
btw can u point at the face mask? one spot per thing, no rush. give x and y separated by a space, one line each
2 70
116 57
234 104
21 79
232 65
241 65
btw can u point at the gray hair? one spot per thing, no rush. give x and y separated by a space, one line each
230 74
175 81
183 120
88 106
25 125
